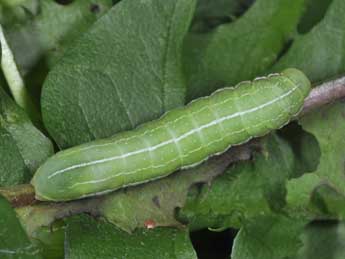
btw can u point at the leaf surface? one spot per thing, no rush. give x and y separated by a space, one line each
124 71
240 50
109 242
22 146
13 240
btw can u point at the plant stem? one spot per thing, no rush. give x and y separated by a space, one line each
15 80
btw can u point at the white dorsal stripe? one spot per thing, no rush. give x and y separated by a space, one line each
183 136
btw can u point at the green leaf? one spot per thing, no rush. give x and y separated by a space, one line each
39 31
240 50
274 237
124 71
328 126
282 238
22 147
314 13
88 238
304 146
216 8
72 19
251 189
157 201
15 81
51 240
321 52
209 14
46 28
13 240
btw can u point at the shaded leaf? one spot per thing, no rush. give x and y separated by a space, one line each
22 147
209 14
321 52
240 50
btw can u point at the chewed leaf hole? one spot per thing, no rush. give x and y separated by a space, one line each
210 244
305 147
64 2
95 8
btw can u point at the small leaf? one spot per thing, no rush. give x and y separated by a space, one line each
22 147
88 238
124 71
13 241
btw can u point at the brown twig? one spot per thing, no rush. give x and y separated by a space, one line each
323 94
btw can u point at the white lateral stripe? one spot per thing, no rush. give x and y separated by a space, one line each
174 140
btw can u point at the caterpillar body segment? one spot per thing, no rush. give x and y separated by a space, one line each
181 138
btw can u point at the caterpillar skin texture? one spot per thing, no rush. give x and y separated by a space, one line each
181 138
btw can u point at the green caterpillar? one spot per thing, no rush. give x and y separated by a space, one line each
182 138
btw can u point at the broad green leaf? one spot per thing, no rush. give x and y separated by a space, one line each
124 71
328 126
323 240
320 53
251 189
58 25
240 50
87 238
22 147
13 240
273 237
